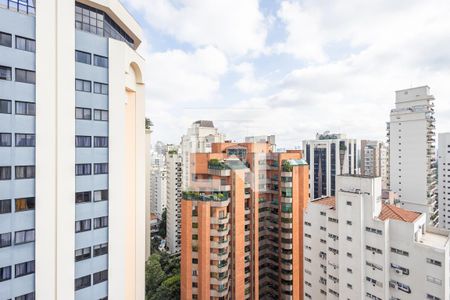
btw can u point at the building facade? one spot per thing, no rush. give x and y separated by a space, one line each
198 139
330 155
357 247
158 184
241 224
374 160
72 131
444 180
173 205
411 138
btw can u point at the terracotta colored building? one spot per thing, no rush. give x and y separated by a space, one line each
241 231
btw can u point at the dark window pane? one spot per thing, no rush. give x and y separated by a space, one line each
5 73
5 173
25 140
5 206
100 61
5 39
5 139
5 106
24 204
25 44
25 108
24 172
25 76
83 57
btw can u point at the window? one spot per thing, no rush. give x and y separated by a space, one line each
100 276
434 262
398 251
29 296
431 297
5 173
5 206
373 230
5 106
82 282
23 237
5 273
25 268
5 39
25 76
83 197
25 108
25 44
82 141
5 139
25 140
82 254
82 169
83 85
101 168
100 88
349 223
100 61
5 73
100 115
24 172
100 195
5 239
374 250
83 225
82 57
100 222
82 113
349 203
101 141
24 204
101 249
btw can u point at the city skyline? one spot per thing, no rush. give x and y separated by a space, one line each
257 70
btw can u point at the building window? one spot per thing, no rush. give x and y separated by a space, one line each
5 239
100 141
5 206
25 140
5 106
82 169
100 249
5 273
25 44
398 251
25 76
82 141
82 57
5 73
100 115
5 139
24 172
83 85
5 173
83 197
82 282
25 268
29 296
5 39
23 237
25 108
24 204
101 168
100 195
100 222
83 225
431 297
100 61
434 262
82 113
100 88
100 276
82 254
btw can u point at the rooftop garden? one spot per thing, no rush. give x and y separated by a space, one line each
217 164
191 195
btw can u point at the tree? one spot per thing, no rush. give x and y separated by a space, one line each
162 280
162 225
169 289
154 274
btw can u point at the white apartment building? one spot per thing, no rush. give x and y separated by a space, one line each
158 184
444 179
357 247
330 155
198 139
72 161
174 194
374 160
411 138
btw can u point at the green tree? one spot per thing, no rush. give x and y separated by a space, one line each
169 289
154 274
162 225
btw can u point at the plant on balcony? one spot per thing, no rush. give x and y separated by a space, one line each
287 167
216 164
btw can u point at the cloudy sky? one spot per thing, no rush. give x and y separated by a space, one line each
290 68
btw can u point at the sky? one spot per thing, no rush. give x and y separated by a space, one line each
290 68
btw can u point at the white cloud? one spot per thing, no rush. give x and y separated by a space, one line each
248 83
236 27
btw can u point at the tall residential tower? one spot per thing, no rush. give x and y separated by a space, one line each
72 129
444 180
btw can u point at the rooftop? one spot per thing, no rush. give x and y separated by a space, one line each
396 213
328 201
204 123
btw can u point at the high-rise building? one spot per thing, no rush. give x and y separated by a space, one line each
173 203
72 175
374 160
330 155
198 139
444 179
148 170
241 224
357 247
158 184
411 137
